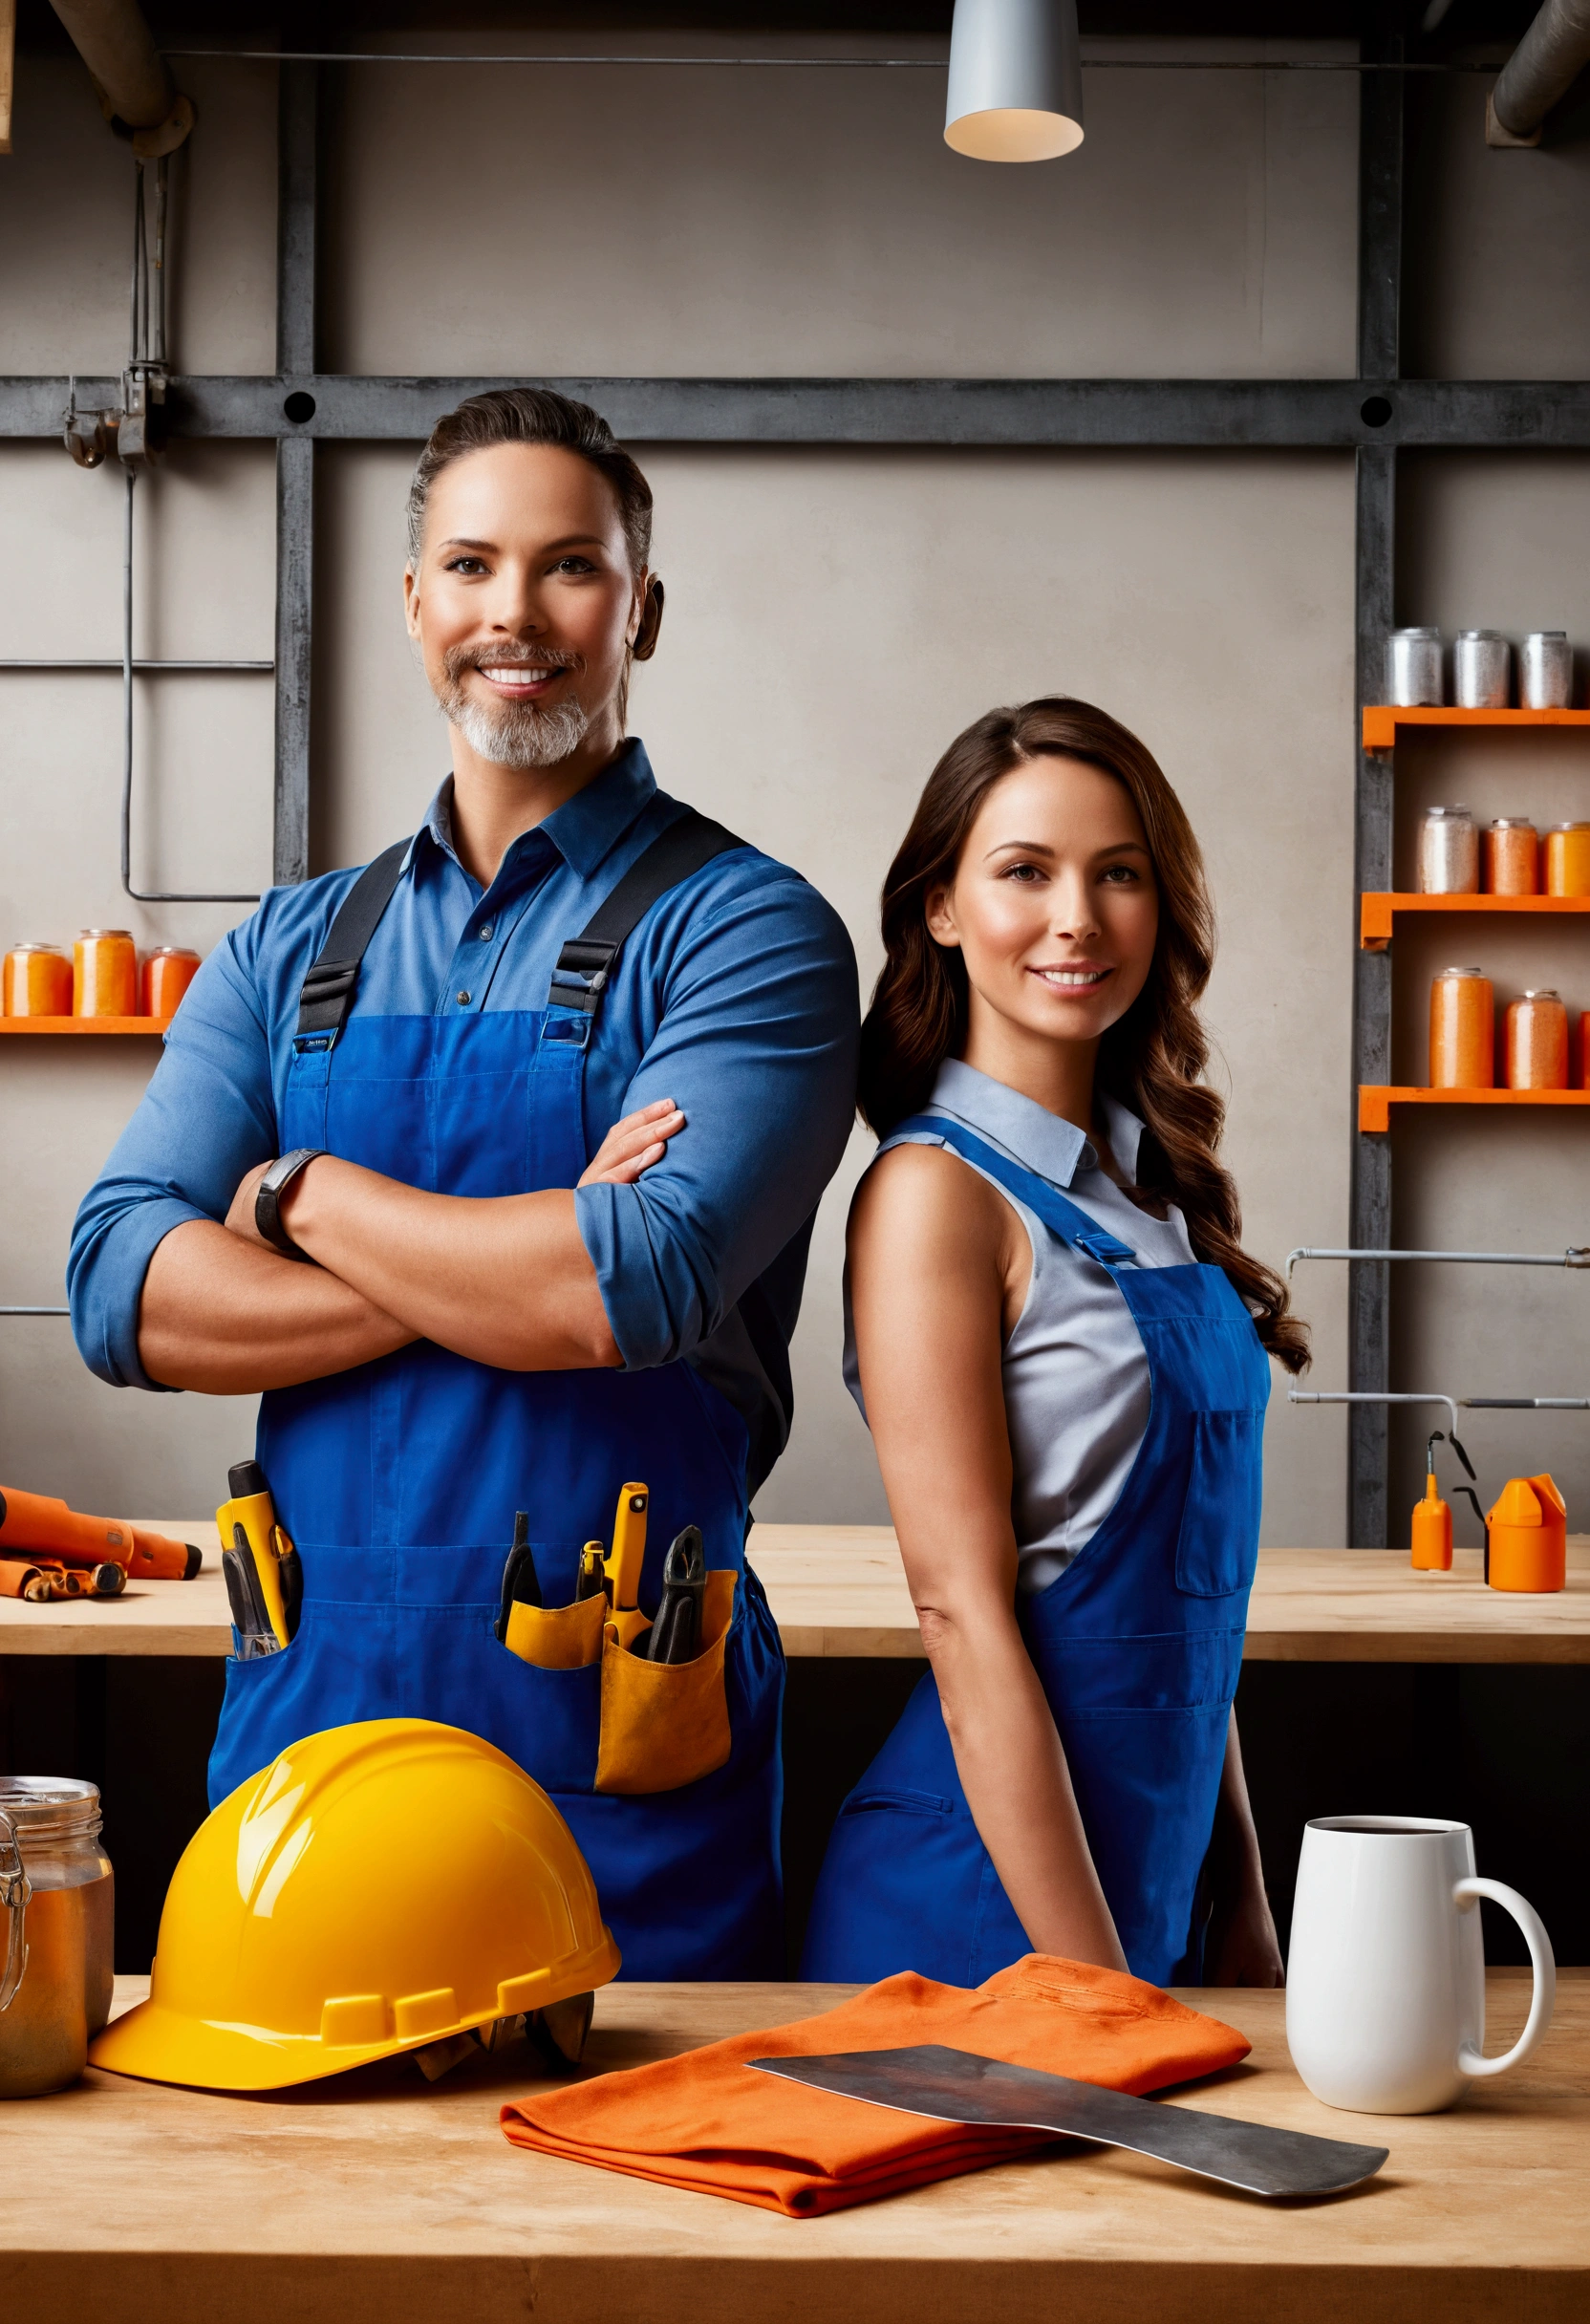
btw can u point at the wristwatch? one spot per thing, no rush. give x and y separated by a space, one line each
267 1200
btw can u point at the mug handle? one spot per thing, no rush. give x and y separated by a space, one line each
1544 1961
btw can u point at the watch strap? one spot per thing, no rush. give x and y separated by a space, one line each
267 1199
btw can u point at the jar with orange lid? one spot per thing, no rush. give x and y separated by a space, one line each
104 973
1461 1030
1538 1041
1512 848
1568 859
164 978
38 981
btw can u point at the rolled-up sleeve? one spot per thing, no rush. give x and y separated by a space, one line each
207 1117
757 1044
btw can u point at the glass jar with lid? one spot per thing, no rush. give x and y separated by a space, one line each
58 1915
1449 853
1537 1040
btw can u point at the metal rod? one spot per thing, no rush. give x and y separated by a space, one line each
1575 1256
1363 1395
140 669
35 1311
837 64
1526 1404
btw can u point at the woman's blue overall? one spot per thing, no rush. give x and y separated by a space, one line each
1138 1644
399 1482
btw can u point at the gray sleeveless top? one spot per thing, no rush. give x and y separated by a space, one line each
1076 1379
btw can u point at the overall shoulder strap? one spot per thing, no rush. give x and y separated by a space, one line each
585 962
328 990
1066 1219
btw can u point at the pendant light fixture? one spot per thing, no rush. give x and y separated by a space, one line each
1014 81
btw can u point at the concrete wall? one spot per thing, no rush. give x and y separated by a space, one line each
835 616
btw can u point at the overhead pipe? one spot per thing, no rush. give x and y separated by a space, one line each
1538 74
133 78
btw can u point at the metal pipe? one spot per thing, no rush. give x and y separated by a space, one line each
1575 1256
129 70
140 669
1543 68
1365 1395
35 1311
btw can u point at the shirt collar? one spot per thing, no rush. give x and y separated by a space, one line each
1031 1135
583 831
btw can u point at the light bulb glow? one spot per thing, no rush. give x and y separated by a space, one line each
1014 89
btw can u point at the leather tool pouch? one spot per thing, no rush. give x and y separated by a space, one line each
557 1638
667 1724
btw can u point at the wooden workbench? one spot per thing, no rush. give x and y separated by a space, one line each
378 2200
839 1591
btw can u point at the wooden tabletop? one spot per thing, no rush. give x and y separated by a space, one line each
839 1591
376 2199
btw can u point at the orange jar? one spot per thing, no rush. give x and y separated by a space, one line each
1568 859
1538 1041
38 981
1461 1030
1511 851
104 973
164 978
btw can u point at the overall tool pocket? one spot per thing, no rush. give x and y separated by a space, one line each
665 1725
1217 1547
557 1638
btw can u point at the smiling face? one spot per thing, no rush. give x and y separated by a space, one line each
1054 910
523 605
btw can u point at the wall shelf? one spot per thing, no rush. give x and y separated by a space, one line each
1375 1103
1382 719
84 1024
1378 911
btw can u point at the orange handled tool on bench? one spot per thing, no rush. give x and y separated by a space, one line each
37 1527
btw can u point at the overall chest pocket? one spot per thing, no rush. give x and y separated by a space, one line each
1218 1546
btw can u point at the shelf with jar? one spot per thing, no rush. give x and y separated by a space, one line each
103 988
1544 1063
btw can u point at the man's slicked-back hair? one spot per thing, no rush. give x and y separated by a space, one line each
534 415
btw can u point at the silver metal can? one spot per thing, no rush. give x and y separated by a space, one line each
1481 669
1449 853
1413 667
1546 671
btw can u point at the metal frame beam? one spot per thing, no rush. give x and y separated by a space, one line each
297 132
1236 415
1380 265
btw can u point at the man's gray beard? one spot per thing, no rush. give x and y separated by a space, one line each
516 733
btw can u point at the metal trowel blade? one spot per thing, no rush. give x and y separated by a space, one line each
958 2086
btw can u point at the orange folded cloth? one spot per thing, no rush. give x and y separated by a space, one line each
706 2122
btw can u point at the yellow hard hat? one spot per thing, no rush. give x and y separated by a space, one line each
377 1888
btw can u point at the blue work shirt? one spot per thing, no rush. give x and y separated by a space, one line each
735 996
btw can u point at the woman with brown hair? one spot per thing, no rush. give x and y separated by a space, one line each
1062 1351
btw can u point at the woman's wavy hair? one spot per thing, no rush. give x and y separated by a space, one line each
1152 1060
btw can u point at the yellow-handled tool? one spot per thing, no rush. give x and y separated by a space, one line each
275 1560
623 1564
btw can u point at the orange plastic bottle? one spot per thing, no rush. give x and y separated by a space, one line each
1433 1532
1529 1536
1461 1030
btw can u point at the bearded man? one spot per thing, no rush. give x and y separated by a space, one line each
494 1166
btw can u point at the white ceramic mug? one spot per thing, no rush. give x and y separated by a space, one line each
1386 1977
